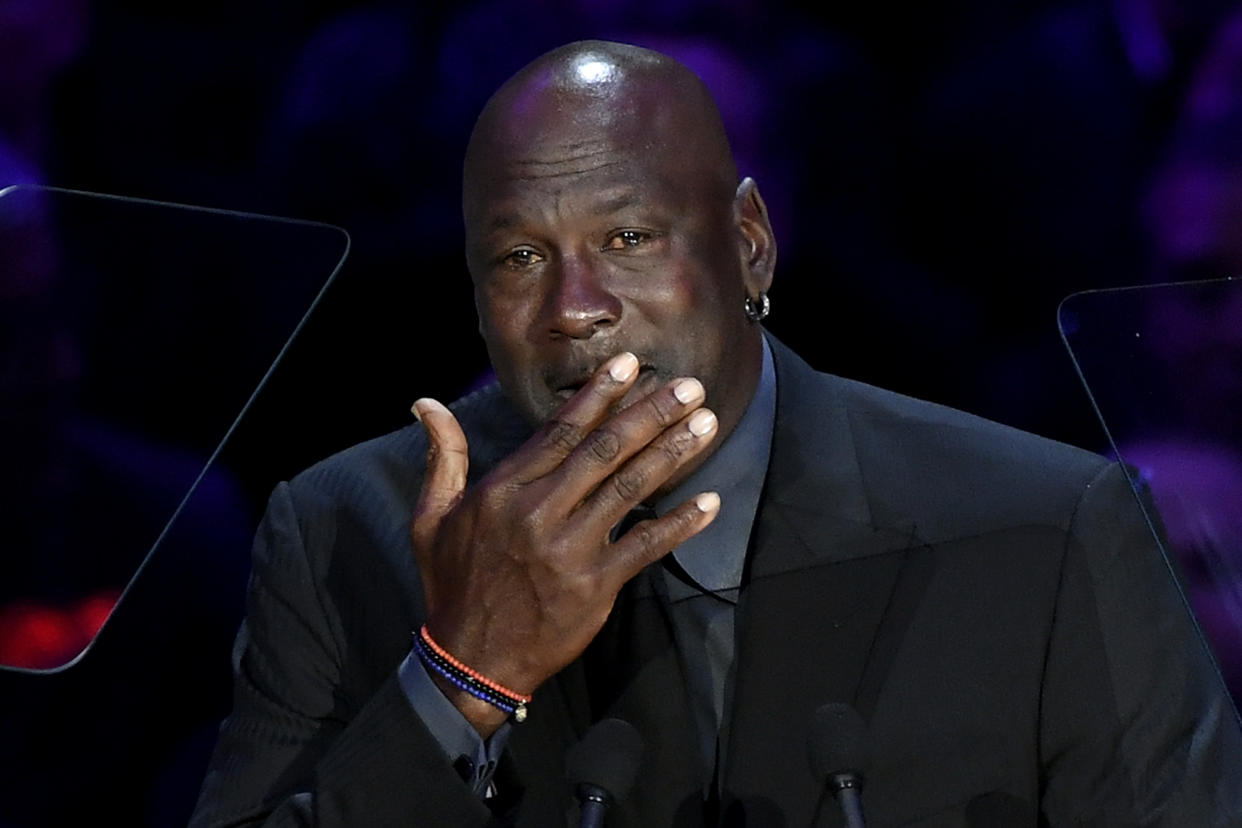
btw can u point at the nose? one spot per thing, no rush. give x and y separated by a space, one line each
580 303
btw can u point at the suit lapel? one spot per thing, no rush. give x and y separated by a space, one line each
827 597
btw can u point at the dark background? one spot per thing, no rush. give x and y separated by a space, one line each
940 176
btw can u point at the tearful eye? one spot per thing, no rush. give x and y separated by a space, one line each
626 238
522 257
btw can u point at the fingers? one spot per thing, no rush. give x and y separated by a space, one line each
632 454
650 540
444 481
645 472
586 409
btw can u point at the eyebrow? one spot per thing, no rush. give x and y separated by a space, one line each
616 203
501 222
605 207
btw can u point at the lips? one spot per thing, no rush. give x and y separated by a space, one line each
571 386
565 387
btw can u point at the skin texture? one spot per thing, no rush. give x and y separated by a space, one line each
611 249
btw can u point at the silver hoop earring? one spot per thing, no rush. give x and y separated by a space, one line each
758 309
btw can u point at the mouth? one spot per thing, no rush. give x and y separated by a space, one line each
564 389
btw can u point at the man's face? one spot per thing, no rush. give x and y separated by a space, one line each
586 240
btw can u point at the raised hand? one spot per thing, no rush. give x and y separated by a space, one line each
519 572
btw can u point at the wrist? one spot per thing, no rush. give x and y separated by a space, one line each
485 718
475 648
482 701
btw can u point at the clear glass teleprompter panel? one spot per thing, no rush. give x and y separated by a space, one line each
1163 366
133 336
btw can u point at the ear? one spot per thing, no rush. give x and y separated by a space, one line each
757 242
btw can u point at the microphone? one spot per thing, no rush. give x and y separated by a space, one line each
839 750
602 767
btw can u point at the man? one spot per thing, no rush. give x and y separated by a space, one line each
987 600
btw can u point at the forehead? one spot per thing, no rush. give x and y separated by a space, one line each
584 163
585 185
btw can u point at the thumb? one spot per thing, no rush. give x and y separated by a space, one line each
444 481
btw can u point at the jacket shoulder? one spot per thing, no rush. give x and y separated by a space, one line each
946 471
386 471
940 462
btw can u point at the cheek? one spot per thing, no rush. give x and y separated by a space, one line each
503 317
711 275
690 286
702 307
699 322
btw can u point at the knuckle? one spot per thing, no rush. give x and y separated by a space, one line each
643 535
605 392
490 493
674 446
583 587
603 444
658 413
530 520
495 496
562 436
629 484
686 520
646 538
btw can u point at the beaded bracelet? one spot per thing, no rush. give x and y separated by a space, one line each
439 665
464 678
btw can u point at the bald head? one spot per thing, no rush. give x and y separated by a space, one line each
588 97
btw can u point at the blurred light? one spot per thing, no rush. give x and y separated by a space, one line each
42 637
595 71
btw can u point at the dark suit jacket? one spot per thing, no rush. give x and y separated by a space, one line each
991 602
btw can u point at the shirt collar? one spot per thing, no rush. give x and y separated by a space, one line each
716 556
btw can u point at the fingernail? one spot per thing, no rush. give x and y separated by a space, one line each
688 390
623 367
422 404
702 422
707 502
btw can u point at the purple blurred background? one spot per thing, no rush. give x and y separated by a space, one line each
939 179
